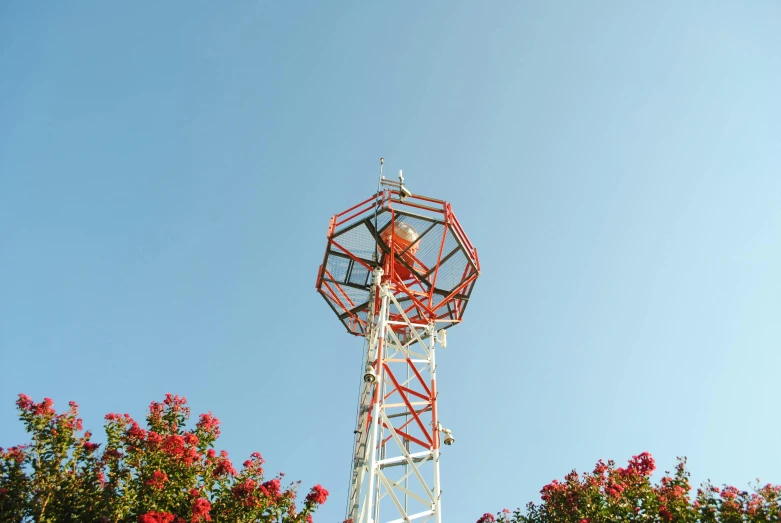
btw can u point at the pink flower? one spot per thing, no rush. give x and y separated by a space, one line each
24 402
40 409
642 464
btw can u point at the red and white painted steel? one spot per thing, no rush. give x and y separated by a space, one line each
403 311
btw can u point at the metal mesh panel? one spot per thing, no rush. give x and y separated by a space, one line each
450 273
337 267
358 240
357 296
359 275
383 219
329 297
428 252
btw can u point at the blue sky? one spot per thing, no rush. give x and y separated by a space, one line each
167 172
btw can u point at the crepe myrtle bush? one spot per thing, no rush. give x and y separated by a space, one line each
619 494
164 473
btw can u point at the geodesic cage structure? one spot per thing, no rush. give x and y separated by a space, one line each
422 248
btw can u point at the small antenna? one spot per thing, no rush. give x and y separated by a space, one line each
377 204
403 191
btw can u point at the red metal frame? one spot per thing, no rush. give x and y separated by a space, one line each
421 293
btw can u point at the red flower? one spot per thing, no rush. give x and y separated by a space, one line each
270 488
600 468
729 493
135 431
243 492
154 439
16 453
642 464
174 445
157 480
156 517
201 508
614 490
486 518
44 408
209 423
317 495
224 466
113 453
254 465
155 411
90 447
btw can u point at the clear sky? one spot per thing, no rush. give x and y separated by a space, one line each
168 170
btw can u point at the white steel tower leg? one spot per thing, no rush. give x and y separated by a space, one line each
397 437
437 490
371 492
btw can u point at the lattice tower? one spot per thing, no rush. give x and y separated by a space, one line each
398 270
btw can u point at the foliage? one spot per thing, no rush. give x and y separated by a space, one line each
610 494
162 474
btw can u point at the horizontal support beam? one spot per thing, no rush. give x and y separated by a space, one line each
416 457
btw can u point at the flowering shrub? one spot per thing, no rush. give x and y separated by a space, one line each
611 494
164 473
